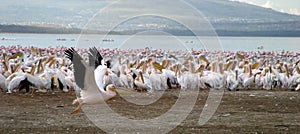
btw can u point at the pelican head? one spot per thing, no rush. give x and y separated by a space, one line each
111 87
112 90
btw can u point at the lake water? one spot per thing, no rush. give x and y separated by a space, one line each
159 42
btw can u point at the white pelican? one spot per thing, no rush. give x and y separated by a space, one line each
3 86
232 80
267 79
46 78
126 78
40 78
141 78
181 77
24 80
69 80
248 79
192 77
90 80
295 81
143 83
112 78
155 79
213 79
60 79
283 77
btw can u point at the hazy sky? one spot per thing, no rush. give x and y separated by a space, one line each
287 6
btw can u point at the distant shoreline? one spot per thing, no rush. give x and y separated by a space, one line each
220 35
62 30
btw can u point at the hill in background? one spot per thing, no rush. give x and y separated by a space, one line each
69 16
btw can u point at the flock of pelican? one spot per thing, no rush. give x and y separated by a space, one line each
33 69
145 70
150 70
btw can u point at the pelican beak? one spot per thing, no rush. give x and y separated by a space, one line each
240 56
204 59
142 78
157 66
113 88
141 64
123 91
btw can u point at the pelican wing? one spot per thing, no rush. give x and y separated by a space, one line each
79 67
2 82
15 82
95 57
61 77
84 75
35 81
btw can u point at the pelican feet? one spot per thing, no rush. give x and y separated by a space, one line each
76 110
75 102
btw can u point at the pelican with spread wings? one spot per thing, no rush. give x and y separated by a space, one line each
90 79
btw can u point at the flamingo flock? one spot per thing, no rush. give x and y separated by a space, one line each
147 70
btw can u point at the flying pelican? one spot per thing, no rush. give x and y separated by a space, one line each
93 91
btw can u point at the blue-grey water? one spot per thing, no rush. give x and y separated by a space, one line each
158 42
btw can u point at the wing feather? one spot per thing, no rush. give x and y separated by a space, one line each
79 67
95 58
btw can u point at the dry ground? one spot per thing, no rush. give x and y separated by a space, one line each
252 111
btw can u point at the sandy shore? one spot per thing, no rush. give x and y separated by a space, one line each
241 111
